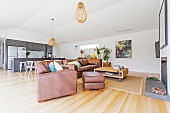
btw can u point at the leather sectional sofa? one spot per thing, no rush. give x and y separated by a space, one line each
86 66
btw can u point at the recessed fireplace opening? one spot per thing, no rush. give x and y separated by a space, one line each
164 71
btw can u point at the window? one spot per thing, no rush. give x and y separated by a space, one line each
88 46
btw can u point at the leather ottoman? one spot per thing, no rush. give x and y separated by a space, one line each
93 80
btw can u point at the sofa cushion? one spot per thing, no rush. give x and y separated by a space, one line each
80 61
65 62
57 66
93 66
76 63
42 68
85 68
83 62
52 67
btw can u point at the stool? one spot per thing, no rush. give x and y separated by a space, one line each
93 80
29 66
20 66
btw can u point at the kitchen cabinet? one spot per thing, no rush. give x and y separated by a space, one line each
43 47
49 49
16 43
20 43
29 46
36 47
11 42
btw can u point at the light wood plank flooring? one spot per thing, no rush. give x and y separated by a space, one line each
18 95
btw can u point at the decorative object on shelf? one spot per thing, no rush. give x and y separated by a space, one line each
87 56
52 41
93 56
117 67
81 14
81 52
163 25
124 49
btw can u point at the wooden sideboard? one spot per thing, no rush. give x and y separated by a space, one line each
107 64
99 61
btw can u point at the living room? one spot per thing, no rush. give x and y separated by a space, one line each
52 33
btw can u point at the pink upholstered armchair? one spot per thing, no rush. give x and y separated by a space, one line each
54 84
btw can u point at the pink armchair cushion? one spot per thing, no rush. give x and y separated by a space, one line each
56 84
41 67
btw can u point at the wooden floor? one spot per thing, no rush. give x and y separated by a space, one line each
18 95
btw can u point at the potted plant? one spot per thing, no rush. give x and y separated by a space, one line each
106 56
98 50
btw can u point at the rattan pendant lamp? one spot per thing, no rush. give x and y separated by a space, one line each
52 41
81 14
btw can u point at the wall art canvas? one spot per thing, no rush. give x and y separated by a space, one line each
124 49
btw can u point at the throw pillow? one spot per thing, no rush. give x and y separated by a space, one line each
52 67
76 63
80 61
71 62
57 66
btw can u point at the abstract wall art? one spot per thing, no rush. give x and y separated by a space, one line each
124 49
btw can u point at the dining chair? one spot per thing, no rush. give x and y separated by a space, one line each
30 65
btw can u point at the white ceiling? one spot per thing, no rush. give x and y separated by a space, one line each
105 17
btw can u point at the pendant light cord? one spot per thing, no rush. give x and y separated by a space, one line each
52 27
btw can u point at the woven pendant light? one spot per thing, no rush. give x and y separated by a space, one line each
52 41
81 14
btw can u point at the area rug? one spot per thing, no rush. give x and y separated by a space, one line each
130 84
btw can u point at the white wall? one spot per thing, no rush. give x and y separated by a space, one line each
165 52
5 58
56 51
18 34
143 50
3 36
0 56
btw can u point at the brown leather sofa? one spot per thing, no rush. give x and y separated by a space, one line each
55 84
86 66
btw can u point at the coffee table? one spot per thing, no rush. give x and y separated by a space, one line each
120 74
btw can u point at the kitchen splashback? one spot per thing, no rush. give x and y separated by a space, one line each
36 54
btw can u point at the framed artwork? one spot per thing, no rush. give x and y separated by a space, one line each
163 25
124 49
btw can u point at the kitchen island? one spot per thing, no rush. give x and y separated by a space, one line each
16 61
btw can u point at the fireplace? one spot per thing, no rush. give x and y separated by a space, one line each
164 71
